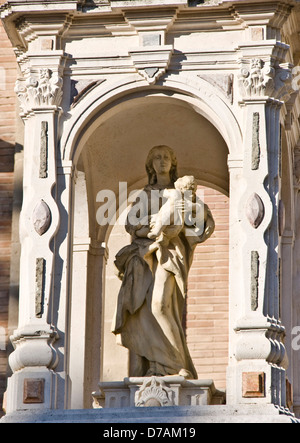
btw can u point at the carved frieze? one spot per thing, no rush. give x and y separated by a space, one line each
39 90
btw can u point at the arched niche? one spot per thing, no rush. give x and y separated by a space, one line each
114 152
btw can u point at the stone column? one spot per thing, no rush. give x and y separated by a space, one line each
86 362
32 385
257 353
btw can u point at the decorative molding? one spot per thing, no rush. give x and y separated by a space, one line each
154 392
41 218
40 90
255 210
260 340
34 348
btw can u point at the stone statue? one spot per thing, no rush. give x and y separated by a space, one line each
154 268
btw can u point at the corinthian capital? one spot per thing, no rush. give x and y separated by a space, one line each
40 90
258 78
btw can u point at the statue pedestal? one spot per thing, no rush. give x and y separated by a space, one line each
157 391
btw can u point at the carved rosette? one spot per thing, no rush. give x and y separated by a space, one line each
39 90
154 392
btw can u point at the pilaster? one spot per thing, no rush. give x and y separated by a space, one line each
256 371
35 358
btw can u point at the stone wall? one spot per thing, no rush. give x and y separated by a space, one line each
8 68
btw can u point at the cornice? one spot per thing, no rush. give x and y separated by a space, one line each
53 20
215 14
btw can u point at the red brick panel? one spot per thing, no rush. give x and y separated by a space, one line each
207 302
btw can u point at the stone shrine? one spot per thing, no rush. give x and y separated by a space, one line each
100 84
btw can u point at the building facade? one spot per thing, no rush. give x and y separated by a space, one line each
89 87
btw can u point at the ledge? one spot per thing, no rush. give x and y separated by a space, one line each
173 414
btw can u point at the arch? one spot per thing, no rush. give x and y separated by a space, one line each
101 102
97 108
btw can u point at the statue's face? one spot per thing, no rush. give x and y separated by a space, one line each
162 161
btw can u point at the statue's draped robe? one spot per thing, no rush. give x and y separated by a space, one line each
135 324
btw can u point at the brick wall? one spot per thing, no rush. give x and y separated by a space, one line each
207 302
8 72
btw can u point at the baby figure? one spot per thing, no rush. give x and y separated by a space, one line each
175 213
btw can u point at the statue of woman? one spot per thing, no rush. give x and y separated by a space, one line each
154 279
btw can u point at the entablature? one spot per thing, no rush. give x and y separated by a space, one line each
28 20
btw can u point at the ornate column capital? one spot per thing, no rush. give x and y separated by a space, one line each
264 80
40 90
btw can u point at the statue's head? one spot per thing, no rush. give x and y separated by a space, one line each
152 178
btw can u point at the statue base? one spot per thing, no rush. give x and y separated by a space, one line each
156 392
